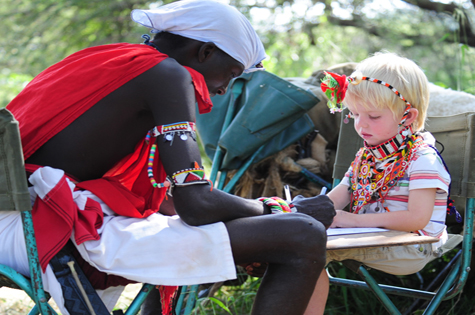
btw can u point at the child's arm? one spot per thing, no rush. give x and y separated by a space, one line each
340 196
416 217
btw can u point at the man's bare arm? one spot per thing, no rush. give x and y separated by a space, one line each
172 99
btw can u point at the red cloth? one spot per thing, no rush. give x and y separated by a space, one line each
53 100
62 212
61 93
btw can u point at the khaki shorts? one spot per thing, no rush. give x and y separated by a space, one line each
396 260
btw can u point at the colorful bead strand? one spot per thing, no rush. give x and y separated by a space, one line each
277 205
151 157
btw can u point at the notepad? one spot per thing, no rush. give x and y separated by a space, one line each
346 231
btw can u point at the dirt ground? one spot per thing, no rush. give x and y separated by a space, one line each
17 302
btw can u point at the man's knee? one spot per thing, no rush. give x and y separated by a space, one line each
278 238
308 235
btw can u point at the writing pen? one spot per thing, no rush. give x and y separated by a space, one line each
288 197
323 191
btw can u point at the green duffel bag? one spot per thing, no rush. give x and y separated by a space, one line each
266 110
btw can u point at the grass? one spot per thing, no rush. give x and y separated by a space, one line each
18 307
230 299
17 302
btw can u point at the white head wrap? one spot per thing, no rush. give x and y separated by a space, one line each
208 21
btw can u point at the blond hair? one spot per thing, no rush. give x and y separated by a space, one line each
403 74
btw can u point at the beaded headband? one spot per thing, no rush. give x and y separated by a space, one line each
335 86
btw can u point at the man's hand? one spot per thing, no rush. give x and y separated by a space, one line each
319 207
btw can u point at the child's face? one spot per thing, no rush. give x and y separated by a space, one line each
374 125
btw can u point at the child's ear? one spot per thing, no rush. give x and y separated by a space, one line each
411 116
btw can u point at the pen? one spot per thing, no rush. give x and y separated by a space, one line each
323 191
288 197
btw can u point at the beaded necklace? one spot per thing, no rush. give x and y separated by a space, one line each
369 183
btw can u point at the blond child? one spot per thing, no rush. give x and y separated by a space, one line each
397 180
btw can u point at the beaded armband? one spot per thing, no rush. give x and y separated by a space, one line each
277 205
191 176
168 131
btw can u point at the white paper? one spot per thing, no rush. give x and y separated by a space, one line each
345 231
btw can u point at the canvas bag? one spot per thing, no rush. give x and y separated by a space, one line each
268 110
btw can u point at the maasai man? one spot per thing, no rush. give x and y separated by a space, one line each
109 130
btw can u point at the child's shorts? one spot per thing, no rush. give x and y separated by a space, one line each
396 260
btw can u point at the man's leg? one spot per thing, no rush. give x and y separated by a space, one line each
152 305
294 246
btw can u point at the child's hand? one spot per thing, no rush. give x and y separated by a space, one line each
319 207
343 219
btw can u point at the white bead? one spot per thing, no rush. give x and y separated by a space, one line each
357 77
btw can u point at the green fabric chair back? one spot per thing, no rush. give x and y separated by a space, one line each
13 184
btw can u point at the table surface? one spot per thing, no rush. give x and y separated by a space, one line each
384 238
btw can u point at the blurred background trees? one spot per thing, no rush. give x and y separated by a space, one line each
300 35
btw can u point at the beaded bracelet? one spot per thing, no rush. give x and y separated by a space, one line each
277 205
191 176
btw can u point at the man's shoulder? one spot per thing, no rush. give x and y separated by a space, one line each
168 71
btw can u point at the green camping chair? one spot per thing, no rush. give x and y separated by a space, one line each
14 195
457 135
260 115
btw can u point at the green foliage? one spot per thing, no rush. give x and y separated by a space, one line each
300 37
236 300
12 84
41 33
407 33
